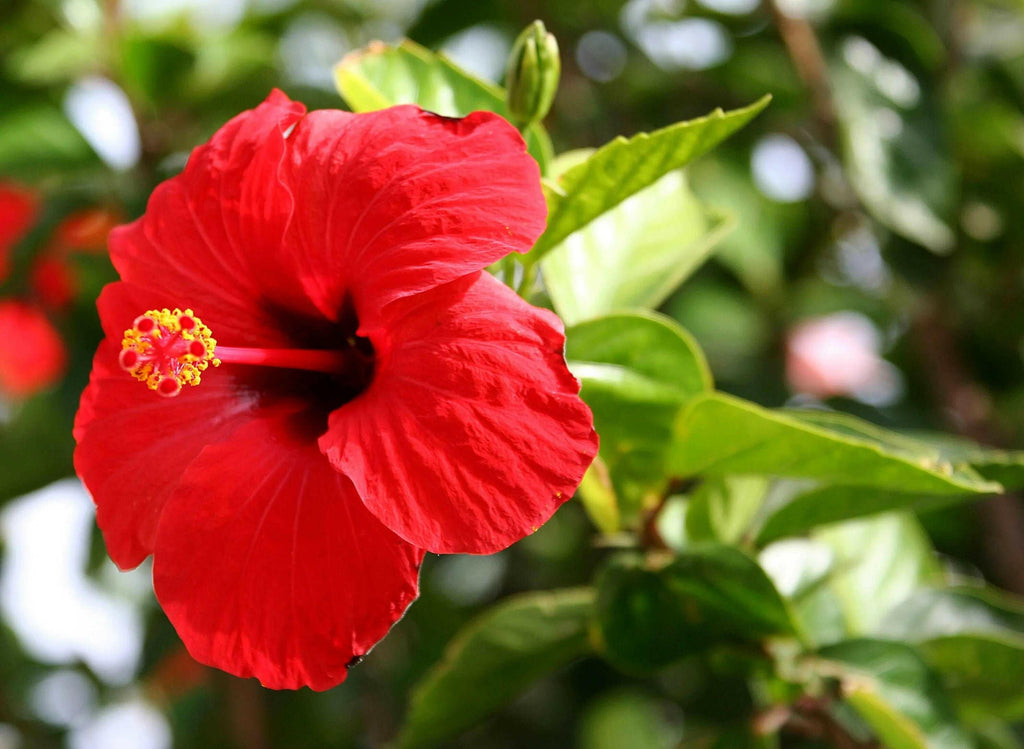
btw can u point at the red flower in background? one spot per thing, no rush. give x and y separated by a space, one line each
32 353
367 391
19 207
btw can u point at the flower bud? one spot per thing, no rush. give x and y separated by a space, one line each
532 75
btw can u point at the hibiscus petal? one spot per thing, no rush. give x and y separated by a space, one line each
133 445
472 432
395 202
206 232
282 575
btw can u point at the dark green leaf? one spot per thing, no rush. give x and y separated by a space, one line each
494 658
648 617
973 639
39 140
895 692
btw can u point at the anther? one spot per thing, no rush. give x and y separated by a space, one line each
167 350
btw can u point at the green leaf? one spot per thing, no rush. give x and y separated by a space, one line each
624 167
974 639
637 371
896 693
893 151
648 617
723 508
39 140
382 75
633 256
496 657
798 509
879 563
35 446
597 494
1004 466
56 57
719 434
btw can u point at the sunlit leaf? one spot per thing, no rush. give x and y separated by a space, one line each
624 167
383 75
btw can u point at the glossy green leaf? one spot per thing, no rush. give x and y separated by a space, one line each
57 57
974 639
893 150
879 563
637 370
383 75
801 508
720 434
39 140
624 167
723 508
648 616
633 256
496 657
896 693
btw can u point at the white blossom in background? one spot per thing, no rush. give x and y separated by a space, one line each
58 613
101 112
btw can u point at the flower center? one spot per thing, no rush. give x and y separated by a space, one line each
167 350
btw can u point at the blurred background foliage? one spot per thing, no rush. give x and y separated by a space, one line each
868 253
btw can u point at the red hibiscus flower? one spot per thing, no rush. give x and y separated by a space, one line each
32 353
19 207
347 387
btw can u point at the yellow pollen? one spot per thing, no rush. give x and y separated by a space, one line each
160 350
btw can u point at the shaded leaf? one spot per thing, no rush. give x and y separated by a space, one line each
896 693
494 658
709 594
893 152
974 639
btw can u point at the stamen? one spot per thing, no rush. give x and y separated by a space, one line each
167 350
170 349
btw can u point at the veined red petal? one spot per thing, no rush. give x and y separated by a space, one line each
278 573
472 432
207 233
19 207
391 203
32 353
134 446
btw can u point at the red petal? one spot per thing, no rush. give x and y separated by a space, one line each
472 433
32 353
19 207
207 233
279 573
133 445
395 202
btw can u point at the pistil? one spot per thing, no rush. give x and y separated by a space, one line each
167 350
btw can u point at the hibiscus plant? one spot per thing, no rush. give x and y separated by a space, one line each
344 344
